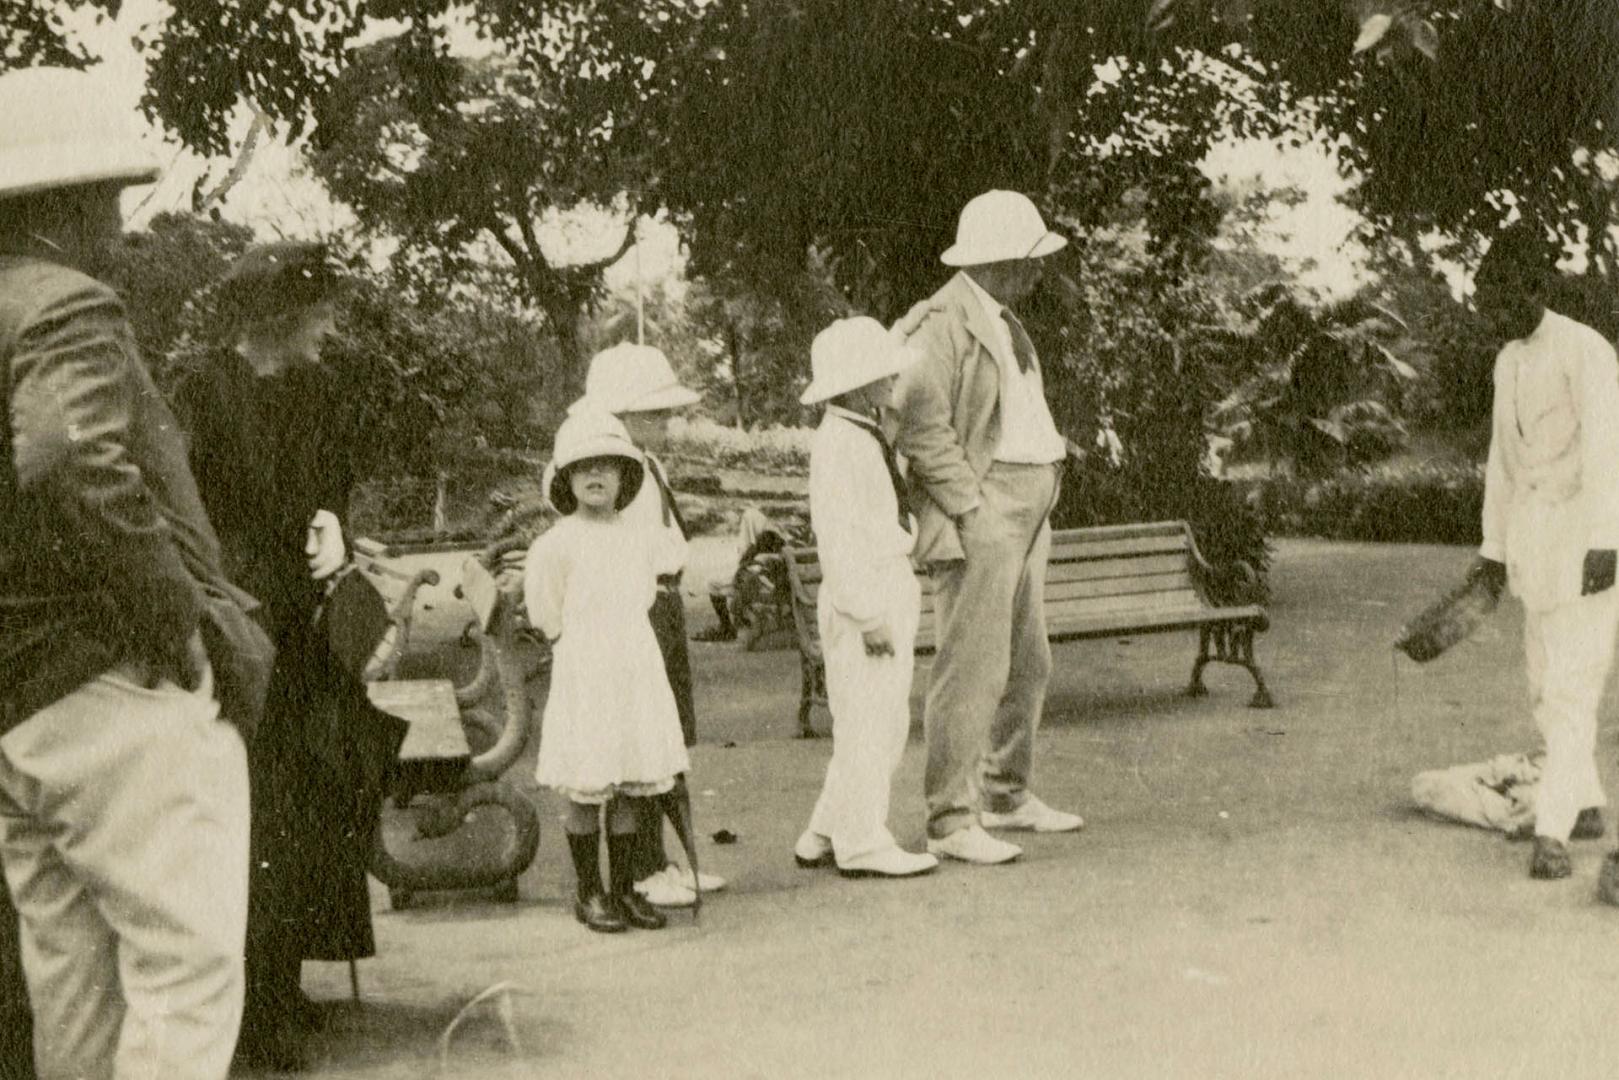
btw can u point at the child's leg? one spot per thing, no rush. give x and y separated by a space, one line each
592 907
870 703
624 839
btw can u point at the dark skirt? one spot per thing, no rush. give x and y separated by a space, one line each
16 1019
669 625
319 768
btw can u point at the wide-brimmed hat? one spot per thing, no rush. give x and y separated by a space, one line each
274 279
58 128
998 226
584 435
633 378
851 353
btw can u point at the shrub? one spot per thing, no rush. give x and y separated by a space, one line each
782 451
1415 504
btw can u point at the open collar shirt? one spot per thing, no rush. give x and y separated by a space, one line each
1028 434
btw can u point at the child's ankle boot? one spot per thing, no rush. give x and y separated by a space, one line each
592 906
623 853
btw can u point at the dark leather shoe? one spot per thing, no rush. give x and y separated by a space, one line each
1589 825
639 912
1550 860
600 915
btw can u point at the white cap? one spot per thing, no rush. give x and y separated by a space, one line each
851 353
590 433
57 129
998 226
633 378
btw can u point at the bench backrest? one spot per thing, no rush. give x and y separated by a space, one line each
1094 577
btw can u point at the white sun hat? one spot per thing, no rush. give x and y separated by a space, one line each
851 353
59 129
585 434
998 226
633 378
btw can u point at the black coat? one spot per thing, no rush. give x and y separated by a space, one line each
267 454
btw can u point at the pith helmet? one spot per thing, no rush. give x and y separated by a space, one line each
587 434
57 129
851 353
633 378
998 226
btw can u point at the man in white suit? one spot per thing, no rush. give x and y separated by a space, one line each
1551 524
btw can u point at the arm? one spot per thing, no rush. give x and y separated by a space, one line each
72 403
841 512
1598 395
925 435
1497 478
1599 444
545 584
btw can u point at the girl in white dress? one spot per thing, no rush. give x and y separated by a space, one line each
610 725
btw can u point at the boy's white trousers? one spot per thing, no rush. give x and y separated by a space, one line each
1568 651
123 832
871 716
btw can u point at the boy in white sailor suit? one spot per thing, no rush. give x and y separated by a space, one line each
637 385
1551 524
869 601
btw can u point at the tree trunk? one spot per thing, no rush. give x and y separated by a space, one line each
733 341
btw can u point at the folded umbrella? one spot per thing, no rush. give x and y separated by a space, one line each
676 806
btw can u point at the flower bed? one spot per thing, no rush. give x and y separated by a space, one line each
1412 504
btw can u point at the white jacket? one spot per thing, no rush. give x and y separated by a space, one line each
1551 487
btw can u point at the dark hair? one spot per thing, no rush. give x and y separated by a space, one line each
630 476
277 279
1521 249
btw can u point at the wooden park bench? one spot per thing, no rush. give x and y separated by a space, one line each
461 741
1109 581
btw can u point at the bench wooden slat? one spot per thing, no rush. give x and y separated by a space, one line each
809 575
1063 627
1074 550
430 707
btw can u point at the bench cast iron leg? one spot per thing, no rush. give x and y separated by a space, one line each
1196 688
811 676
1261 698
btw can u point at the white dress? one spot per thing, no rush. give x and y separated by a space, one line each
610 723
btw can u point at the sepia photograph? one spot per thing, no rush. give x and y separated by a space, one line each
809 539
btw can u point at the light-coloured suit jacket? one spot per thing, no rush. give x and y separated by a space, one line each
1551 487
948 412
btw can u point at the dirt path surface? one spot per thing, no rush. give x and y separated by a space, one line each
1251 897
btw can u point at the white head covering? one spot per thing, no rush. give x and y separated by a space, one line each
586 434
633 378
998 226
58 128
851 353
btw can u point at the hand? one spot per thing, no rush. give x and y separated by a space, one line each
1492 573
878 641
324 545
1599 571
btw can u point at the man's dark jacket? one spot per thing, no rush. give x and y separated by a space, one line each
106 553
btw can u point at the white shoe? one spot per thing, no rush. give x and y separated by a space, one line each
812 850
888 863
974 845
1032 816
661 890
685 879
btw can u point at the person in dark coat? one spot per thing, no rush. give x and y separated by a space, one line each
272 446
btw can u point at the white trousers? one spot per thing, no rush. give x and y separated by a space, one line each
869 697
1568 651
123 834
